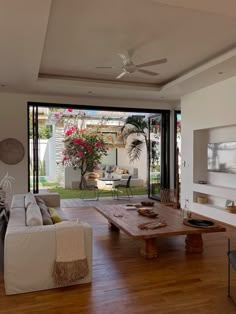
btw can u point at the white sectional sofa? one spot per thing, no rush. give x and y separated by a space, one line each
30 251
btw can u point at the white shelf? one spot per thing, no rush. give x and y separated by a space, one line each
214 212
216 190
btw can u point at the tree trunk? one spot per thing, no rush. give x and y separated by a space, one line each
83 183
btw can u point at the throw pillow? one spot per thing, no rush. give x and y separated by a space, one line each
29 199
54 215
92 175
119 171
33 215
47 220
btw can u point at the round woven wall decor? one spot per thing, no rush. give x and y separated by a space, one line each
11 151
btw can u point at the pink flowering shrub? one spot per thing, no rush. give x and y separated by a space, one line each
83 150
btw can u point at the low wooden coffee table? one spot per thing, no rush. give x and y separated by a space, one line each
122 217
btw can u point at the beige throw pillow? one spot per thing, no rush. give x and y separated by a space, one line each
33 215
29 199
47 220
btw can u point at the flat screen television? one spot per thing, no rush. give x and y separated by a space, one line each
222 157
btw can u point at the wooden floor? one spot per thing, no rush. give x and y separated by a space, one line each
124 282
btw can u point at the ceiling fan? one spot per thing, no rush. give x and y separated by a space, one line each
129 67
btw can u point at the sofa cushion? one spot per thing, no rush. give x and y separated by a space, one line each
54 215
33 215
50 199
47 220
17 218
29 199
18 202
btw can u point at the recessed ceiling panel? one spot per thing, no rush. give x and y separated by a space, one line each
84 38
226 7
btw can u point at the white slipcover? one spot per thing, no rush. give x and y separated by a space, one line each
30 251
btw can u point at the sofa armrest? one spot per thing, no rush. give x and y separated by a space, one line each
50 199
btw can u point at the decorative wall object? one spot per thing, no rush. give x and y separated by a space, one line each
11 151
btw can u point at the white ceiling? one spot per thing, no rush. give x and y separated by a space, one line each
54 47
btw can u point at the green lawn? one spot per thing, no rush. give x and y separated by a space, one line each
69 193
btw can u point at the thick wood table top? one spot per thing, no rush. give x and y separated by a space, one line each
127 219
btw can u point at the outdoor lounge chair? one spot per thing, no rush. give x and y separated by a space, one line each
120 188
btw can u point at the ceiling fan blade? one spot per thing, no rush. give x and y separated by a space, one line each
148 72
120 75
103 67
146 64
130 52
125 59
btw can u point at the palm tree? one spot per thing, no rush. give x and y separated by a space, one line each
137 126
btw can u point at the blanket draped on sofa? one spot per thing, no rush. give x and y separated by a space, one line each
71 262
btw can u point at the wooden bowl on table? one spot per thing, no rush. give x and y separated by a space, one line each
147 204
147 212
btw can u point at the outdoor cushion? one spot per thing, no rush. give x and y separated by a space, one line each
91 175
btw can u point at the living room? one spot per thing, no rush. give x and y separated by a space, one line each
123 281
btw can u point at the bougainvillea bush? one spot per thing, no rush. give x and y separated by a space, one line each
84 149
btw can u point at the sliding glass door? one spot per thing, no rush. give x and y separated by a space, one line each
33 150
158 154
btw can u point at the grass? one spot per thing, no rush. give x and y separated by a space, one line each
54 184
70 193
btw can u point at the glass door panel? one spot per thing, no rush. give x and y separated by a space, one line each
178 153
33 149
155 134
158 153
178 140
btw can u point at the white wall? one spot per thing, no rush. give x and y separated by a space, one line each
211 107
141 164
13 123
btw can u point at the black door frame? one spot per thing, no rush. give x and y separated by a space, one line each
165 113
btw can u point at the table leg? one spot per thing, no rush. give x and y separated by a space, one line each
194 243
149 248
112 227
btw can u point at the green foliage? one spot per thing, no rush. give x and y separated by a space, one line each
135 149
139 124
45 132
136 126
70 194
41 165
51 184
84 149
42 168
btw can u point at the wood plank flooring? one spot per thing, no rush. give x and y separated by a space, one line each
124 282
